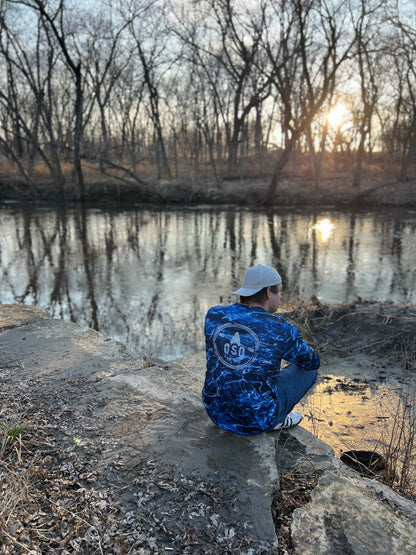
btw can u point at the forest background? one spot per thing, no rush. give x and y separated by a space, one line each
145 94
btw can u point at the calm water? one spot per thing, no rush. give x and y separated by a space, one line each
148 276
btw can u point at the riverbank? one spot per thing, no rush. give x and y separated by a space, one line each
368 354
336 191
119 455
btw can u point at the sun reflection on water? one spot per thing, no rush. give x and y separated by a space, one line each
349 414
325 228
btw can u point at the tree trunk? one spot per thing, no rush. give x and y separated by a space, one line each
77 171
281 163
359 162
409 154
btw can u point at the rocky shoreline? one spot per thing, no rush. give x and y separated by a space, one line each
119 456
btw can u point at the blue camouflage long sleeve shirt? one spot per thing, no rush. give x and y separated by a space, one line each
244 348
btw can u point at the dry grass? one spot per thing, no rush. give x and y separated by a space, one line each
398 438
313 412
374 329
392 458
399 443
313 319
333 164
120 178
379 331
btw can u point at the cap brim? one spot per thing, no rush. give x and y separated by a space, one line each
245 292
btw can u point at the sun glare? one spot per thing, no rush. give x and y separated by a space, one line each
325 228
336 115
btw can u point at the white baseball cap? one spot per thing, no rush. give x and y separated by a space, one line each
256 278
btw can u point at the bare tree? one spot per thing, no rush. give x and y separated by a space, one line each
150 42
368 54
240 36
108 59
135 87
404 56
310 48
225 43
29 101
53 18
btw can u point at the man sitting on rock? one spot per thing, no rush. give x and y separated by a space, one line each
245 390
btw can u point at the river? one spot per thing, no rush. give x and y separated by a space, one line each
146 276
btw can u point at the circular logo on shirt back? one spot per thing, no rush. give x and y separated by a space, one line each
235 345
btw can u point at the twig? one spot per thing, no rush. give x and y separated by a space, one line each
15 542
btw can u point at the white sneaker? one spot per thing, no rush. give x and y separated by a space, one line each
292 419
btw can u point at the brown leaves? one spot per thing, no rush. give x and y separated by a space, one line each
295 489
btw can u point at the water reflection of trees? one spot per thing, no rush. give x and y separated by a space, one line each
148 277
351 267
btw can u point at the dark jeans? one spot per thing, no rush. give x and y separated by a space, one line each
293 383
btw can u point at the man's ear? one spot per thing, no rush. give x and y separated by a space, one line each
269 292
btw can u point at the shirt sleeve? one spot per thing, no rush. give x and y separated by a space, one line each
298 352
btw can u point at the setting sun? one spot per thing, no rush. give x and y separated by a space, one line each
336 115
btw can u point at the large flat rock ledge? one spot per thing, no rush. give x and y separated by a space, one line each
197 488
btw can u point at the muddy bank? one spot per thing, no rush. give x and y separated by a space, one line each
385 330
368 354
336 191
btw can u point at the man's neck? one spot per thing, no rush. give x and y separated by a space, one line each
257 305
